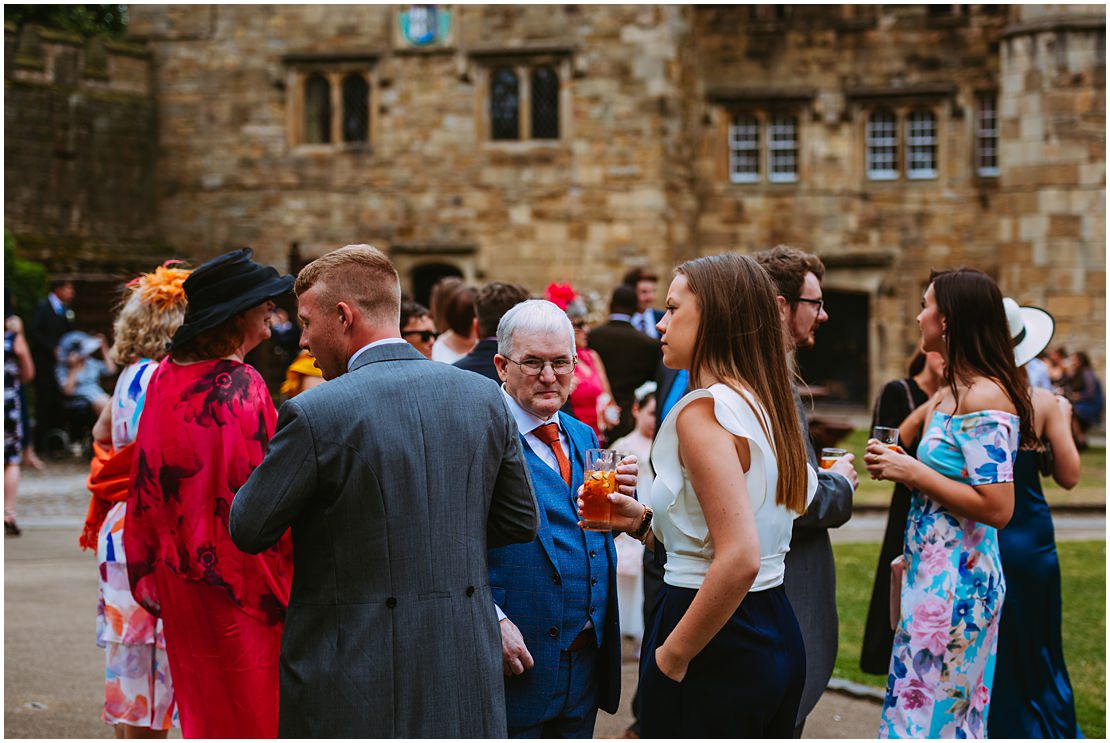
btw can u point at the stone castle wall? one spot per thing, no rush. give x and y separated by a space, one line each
430 186
1051 229
79 145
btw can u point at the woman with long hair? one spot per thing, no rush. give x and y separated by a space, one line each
724 654
206 425
943 659
138 698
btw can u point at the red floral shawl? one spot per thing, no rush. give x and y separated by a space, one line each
206 426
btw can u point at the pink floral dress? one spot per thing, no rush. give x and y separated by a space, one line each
942 663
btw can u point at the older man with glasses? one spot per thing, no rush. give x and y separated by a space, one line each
556 596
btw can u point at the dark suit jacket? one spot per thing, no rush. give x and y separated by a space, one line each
810 578
630 359
395 477
480 359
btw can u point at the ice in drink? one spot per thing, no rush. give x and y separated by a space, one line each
595 499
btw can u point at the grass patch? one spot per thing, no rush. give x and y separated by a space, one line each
1091 487
1083 571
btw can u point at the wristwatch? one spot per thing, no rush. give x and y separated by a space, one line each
642 530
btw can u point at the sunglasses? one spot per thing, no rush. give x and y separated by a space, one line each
425 335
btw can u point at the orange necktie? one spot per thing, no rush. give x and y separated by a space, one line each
549 434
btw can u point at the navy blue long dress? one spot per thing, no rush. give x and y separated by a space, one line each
1032 695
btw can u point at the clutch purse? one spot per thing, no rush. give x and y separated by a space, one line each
897 572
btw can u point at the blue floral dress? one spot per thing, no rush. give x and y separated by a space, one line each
942 663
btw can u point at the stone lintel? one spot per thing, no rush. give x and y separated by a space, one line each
332 57
768 95
857 259
531 50
1049 25
127 49
914 90
432 249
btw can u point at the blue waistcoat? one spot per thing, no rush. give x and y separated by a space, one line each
579 555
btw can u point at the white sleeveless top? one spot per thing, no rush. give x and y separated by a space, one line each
679 520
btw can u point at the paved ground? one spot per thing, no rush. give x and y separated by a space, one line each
53 671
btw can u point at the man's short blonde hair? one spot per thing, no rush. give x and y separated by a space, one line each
360 275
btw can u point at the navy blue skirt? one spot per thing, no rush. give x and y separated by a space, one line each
746 683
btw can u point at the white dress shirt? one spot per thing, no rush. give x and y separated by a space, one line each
368 346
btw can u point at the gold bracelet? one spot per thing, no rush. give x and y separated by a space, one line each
645 526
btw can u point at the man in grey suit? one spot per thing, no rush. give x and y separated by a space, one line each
810 578
396 476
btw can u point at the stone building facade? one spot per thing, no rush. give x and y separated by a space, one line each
79 138
568 143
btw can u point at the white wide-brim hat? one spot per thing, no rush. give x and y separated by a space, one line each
1031 329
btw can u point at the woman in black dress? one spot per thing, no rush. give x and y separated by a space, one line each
897 400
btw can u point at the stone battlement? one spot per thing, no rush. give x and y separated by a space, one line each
40 56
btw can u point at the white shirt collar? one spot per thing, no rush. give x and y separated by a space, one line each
526 422
368 346
620 316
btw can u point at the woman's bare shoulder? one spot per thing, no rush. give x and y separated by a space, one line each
985 394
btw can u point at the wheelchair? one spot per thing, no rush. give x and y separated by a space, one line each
70 434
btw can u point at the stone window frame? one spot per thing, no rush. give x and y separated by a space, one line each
335 68
523 63
986 136
902 103
766 108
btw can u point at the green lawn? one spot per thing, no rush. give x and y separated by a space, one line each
1091 487
1083 568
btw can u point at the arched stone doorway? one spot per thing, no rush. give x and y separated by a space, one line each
424 277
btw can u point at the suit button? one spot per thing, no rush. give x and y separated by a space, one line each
593 553
470 590
591 610
391 602
556 579
553 632
593 582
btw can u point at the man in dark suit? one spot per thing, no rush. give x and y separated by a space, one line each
646 316
629 356
810 571
493 301
396 475
51 319
557 595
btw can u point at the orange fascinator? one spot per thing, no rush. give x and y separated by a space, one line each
163 287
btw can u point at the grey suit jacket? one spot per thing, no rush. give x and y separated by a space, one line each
811 573
395 478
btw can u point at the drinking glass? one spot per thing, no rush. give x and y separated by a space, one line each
601 480
830 455
888 437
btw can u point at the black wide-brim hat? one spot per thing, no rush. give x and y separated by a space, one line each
224 287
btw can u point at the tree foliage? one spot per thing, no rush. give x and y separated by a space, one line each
26 280
86 20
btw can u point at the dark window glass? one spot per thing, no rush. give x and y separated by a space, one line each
317 110
504 104
356 108
545 103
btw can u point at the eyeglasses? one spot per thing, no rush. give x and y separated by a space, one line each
819 302
579 324
425 335
534 367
